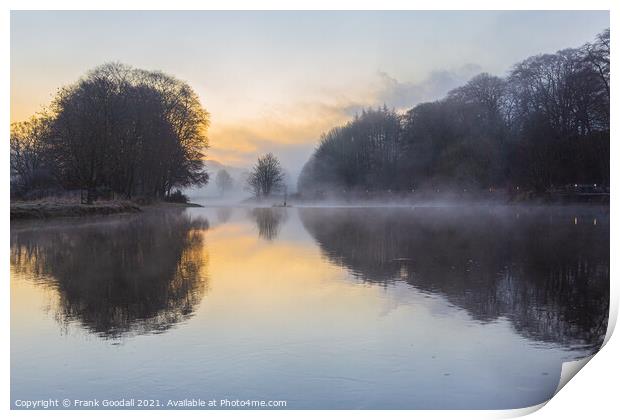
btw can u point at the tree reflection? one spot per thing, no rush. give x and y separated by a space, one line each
268 221
224 214
535 267
132 275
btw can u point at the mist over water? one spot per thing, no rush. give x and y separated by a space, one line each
326 307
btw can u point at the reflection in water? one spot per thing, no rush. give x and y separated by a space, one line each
546 273
268 221
224 214
131 275
393 308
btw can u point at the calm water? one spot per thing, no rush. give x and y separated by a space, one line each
324 308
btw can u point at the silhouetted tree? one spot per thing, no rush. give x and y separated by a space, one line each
266 176
131 131
543 126
28 142
224 181
597 56
362 155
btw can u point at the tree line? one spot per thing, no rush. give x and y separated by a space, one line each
118 129
543 126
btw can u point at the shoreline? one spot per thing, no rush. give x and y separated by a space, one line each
44 210
58 209
429 199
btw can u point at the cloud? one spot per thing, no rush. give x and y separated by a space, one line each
292 130
405 95
289 130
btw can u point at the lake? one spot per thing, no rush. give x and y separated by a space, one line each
327 308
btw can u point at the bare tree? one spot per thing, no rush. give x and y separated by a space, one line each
224 181
28 146
130 131
597 54
545 125
266 176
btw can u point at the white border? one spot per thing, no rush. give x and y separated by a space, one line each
309 5
593 394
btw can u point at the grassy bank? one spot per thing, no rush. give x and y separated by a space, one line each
53 208
71 207
44 209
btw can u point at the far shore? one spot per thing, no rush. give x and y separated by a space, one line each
70 208
57 208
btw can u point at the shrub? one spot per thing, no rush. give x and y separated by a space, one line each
176 197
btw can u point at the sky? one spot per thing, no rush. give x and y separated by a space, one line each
275 81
